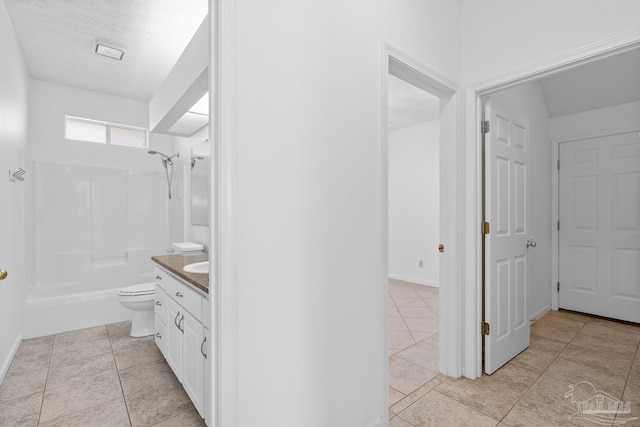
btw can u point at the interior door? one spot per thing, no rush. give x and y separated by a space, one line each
506 188
600 226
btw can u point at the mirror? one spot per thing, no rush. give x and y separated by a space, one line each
200 169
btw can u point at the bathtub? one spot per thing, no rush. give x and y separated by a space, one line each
51 310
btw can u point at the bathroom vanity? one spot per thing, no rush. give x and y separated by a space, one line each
182 324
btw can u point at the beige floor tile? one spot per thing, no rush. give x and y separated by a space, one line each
122 342
80 335
421 336
79 396
119 328
137 355
420 312
153 405
23 411
415 395
37 345
493 395
422 325
421 354
618 344
596 359
406 377
558 328
142 377
399 422
79 370
396 324
64 355
530 412
432 340
604 325
410 302
403 293
187 419
26 361
24 384
436 409
400 339
564 314
393 311
392 351
394 396
109 414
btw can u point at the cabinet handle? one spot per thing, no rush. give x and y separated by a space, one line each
178 294
158 335
158 303
202 346
180 323
175 321
158 277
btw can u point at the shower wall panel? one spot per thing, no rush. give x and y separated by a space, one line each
96 228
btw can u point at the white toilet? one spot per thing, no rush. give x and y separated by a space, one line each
140 299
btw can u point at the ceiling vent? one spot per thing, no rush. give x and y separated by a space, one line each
110 52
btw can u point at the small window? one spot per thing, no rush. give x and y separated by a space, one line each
80 129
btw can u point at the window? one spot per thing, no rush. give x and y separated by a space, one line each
80 129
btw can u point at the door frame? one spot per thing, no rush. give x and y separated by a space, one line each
399 64
472 136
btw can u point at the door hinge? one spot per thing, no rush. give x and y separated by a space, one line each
558 225
558 165
485 328
486 227
484 126
558 286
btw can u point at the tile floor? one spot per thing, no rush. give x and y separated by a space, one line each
93 377
566 348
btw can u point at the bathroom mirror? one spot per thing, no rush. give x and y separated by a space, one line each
200 169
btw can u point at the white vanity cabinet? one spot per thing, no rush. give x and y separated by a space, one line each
182 337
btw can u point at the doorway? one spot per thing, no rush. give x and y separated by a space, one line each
415 99
556 120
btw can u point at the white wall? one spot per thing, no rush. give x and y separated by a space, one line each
13 143
598 122
528 100
500 36
310 311
414 203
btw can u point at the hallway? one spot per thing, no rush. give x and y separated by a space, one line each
566 348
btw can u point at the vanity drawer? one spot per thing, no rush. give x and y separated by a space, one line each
183 295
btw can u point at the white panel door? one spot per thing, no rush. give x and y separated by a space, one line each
506 192
600 226
174 342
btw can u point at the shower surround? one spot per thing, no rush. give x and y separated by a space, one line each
95 230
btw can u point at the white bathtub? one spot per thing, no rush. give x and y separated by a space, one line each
47 314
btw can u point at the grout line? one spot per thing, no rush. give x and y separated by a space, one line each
46 381
115 363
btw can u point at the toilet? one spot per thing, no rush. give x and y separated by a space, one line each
140 299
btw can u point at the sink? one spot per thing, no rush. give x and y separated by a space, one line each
197 268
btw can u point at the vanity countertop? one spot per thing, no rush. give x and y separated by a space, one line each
174 263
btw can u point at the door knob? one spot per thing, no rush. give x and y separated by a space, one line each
531 243
3 274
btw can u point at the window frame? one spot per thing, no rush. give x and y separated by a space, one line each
108 126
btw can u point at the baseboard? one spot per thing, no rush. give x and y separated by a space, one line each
414 280
538 314
7 362
375 423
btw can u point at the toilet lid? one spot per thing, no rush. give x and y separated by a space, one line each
139 289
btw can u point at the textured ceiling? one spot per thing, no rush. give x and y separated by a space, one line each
57 36
610 81
409 105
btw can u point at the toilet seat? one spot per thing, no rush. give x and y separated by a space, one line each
139 289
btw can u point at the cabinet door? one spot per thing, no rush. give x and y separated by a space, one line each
173 349
195 355
208 401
